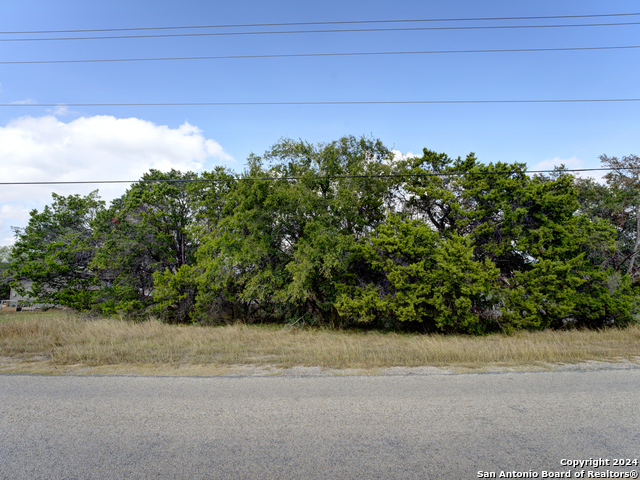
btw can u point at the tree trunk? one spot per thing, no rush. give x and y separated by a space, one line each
636 244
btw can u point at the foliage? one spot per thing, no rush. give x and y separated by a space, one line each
280 245
345 234
422 277
620 204
55 250
5 260
176 289
143 232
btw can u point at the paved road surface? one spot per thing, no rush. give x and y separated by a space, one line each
422 427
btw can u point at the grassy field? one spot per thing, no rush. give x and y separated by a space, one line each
61 342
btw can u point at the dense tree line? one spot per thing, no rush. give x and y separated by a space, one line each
345 234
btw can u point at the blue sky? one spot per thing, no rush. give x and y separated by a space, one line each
95 143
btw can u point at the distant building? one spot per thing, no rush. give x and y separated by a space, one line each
15 296
17 302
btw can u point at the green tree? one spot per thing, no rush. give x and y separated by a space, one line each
601 203
531 229
5 261
624 181
143 232
281 243
55 251
422 277
175 290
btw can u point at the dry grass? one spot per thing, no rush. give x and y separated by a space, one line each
45 341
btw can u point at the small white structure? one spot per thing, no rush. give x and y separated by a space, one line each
9 306
17 302
15 296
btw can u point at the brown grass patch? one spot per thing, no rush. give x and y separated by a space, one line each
60 339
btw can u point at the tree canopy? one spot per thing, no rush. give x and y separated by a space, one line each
344 233
5 261
55 251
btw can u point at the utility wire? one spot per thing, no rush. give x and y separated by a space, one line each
290 24
351 30
333 177
293 55
382 102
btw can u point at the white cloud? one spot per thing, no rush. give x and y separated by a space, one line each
61 111
17 213
14 210
569 163
28 101
398 155
37 149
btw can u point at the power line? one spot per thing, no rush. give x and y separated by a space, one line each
293 55
382 102
351 30
290 24
333 177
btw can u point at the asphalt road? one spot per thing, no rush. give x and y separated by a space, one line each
341 427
